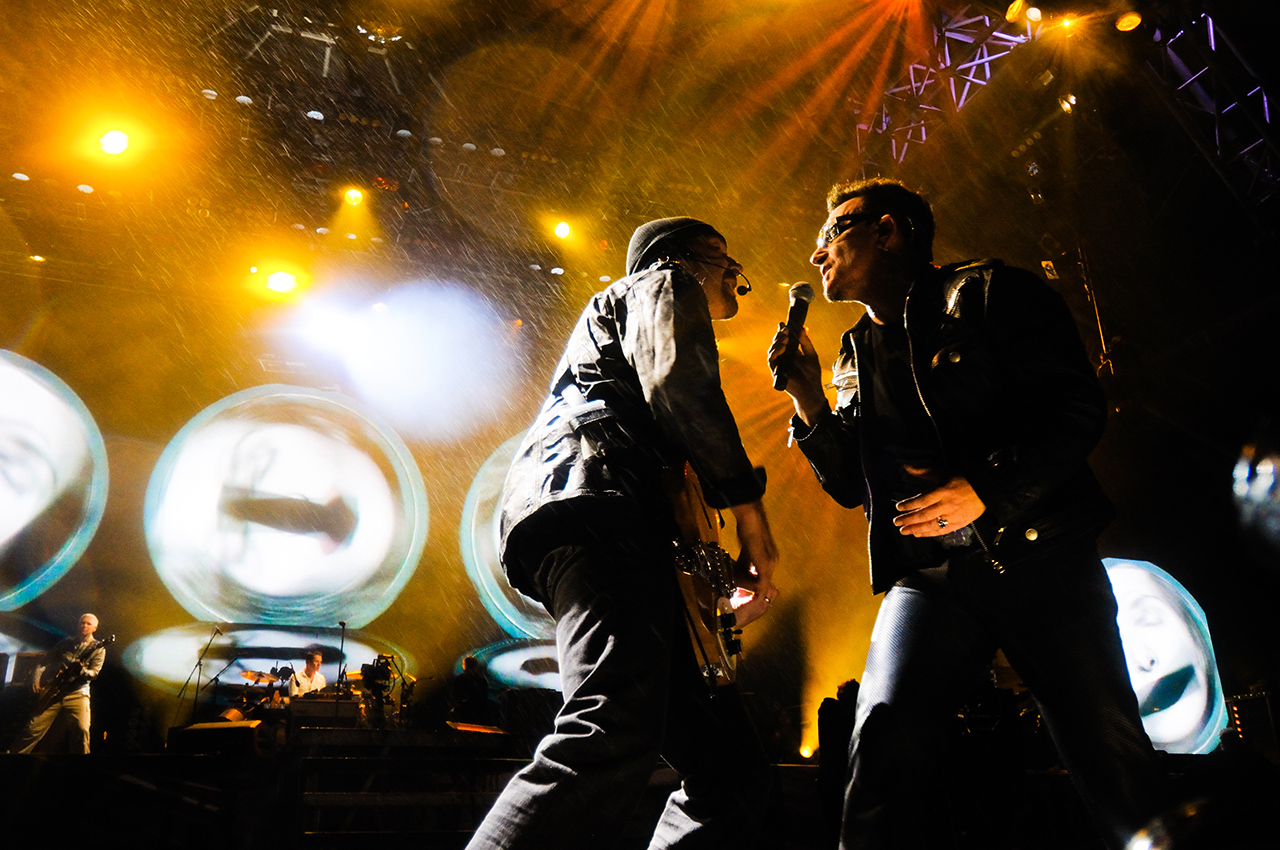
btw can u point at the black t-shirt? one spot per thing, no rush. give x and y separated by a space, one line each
899 434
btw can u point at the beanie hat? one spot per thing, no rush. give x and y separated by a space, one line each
647 240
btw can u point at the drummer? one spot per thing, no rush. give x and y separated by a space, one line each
310 680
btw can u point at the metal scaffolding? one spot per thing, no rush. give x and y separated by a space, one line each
968 45
1222 105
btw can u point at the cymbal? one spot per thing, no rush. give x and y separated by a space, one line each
259 678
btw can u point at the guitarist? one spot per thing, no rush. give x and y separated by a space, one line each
587 531
62 684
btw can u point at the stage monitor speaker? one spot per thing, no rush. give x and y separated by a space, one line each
225 738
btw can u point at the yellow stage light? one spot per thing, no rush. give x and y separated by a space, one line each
1033 14
282 282
1128 21
354 197
806 752
562 229
114 142
1014 11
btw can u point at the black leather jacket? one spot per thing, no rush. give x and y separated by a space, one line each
1015 406
637 391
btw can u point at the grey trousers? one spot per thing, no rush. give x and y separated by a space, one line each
77 708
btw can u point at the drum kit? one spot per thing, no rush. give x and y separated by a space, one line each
370 687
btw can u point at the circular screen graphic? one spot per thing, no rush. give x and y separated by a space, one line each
479 539
521 663
1170 658
286 506
53 479
165 659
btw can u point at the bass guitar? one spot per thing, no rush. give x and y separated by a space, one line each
67 677
705 573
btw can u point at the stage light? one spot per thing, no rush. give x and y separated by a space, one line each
1014 11
253 269
114 142
210 94
1067 102
244 100
438 361
282 282
1128 21
315 115
468 146
1033 14
86 188
323 231
562 230
353 197
404 134
604 278
498 152
36 258
18 175
806 752
557 270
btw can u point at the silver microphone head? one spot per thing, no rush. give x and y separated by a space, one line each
801 292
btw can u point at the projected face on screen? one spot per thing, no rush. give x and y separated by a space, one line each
164 659
1170 658
286 506
53 479
478 537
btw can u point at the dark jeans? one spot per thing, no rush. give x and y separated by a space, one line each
632 692
1055 619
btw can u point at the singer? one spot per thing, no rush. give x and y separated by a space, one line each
587 531
966 409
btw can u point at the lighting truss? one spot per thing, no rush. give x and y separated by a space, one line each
1222 105
968 45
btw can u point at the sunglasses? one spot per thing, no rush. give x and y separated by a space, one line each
832 231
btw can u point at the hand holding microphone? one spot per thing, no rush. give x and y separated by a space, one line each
793 361
801 295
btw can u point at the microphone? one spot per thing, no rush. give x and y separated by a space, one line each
744 288
801 295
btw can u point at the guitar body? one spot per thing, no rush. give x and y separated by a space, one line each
705 574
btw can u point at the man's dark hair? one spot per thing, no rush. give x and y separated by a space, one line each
908 209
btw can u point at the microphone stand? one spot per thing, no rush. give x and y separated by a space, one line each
195 671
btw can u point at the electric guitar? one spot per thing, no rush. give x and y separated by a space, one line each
705 573
67 677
